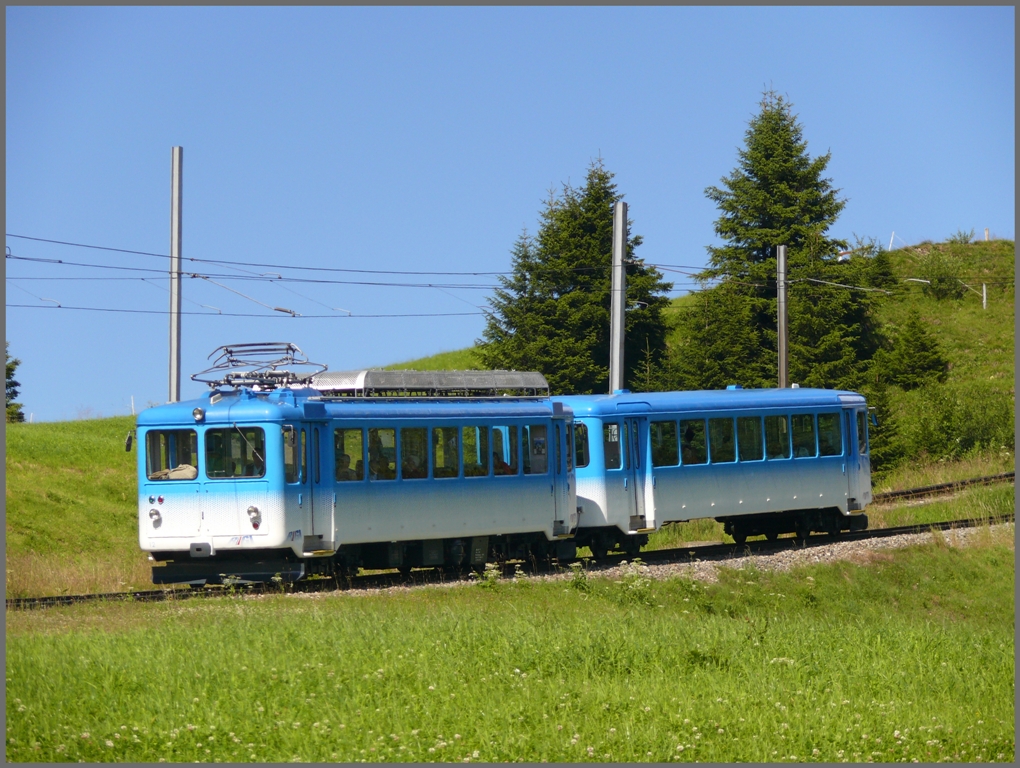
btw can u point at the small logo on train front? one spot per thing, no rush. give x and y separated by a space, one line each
238 541
294 535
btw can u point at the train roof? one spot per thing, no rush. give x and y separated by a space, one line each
707 400
248 405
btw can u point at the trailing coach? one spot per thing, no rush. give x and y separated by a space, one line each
761 461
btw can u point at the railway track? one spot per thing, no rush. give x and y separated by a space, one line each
715 551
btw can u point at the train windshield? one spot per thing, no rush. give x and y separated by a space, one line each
235 452
171 454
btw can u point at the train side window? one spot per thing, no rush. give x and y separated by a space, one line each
582 454
348 445
665 448
235 452
444 452
504 451
862 434
611 444
721 444
693 447
475 444
777 437
804 436
171 454
382 454
749 438
414 453
570 449
290 454
536 449
830 434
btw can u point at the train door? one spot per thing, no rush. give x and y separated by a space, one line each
309 507
858 461
636 458
320 486
564 510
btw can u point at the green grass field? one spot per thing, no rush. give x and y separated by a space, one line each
907 657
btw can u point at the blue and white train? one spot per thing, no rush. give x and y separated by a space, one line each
761 461
272 476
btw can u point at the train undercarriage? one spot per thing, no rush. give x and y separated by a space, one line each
802 522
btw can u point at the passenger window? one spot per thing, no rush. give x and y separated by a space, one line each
570 449
444 452
720 441
693 450
291 466
350 458
830 435
749 440
665 448
236 452
171 454
582 455
611 444
536 459
382 454
804 436
475 443
777 437
862 434
414 453
504 451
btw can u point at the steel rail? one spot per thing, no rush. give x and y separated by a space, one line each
941 488
535 567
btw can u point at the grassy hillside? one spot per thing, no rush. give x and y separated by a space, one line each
71 507
456 360
71 490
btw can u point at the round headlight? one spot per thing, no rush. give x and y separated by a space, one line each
198 413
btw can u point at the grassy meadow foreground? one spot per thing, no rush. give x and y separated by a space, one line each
907 655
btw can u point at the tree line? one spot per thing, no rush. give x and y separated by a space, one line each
551 314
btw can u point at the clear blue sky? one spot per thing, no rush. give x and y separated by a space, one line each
426 139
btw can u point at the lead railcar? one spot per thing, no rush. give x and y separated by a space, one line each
274 475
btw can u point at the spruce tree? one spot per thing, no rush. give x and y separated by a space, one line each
552 313
916 357
14 410
778 195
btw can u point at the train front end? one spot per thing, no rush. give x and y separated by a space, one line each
211 506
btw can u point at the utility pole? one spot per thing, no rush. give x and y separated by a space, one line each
176 171
619 300
781 307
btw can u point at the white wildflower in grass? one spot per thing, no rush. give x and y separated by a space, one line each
109 743
84 735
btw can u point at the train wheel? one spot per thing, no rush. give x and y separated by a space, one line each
803 530
632 546
598 546
405 571
772 536
739 537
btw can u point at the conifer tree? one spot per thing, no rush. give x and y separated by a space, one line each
14 409
778 195
552 313
916 358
